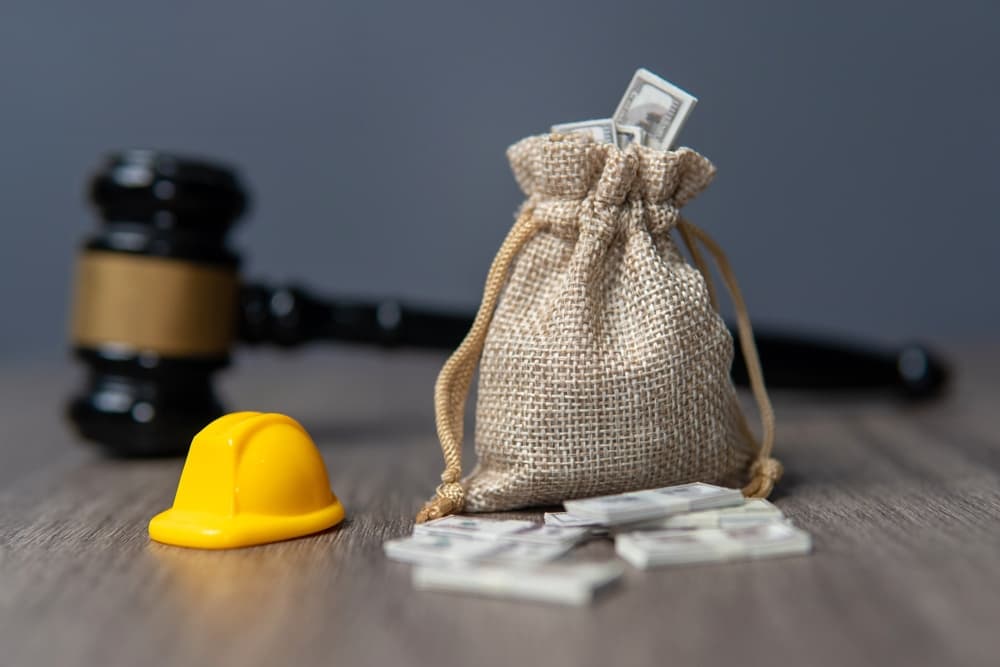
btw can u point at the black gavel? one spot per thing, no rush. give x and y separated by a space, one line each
159 302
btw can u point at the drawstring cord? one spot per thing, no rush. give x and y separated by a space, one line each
765 471
452 387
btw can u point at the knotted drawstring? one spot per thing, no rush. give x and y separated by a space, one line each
452 387
764 471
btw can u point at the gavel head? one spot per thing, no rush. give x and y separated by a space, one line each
155 301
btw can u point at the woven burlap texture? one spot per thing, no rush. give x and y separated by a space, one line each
605 367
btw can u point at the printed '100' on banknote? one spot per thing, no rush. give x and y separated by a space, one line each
655 105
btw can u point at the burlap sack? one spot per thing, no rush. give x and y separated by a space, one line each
604 361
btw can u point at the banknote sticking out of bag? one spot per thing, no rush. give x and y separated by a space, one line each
604 364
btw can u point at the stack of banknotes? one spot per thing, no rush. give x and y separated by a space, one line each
690 523
675 525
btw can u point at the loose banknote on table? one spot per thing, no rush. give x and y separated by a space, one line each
653 503
443 550
751 511
512 530
501 558
647 549
559 583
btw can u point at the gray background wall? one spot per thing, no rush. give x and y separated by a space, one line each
857 141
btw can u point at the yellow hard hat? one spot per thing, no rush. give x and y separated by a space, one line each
249 478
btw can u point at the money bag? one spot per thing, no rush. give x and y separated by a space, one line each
604 365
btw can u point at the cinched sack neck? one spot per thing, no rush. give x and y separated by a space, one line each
572 167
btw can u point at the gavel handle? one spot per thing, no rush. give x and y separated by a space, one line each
816 364
291 316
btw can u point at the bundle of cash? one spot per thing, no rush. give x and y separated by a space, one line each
468 526
651 113
567 520
491 529
500 559
645 549
560 583
462 539
450 550
636 506
750 512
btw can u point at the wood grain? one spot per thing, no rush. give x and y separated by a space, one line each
903 502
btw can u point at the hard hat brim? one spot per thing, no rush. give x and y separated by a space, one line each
202 530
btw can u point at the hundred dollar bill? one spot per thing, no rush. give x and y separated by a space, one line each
566 520
593 527
497 529
543 534
436 549
753 511
711 545
472 527
657 106
602 130
653 503
629 134
445 550
566 583
520 553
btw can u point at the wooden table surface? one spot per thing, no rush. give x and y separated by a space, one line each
903 503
